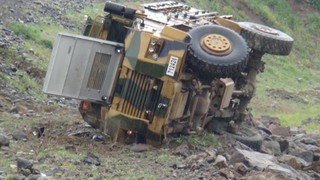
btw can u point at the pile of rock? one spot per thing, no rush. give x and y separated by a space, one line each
284 154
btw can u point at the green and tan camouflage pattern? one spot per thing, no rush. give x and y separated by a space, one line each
136 60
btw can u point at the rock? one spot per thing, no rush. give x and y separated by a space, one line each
5 149
99 138
225 172
140 147
315 166
19 135
19 109
1 171
200 164
306 155
299 80
196 157
220 162
23 163
210 159
211 152
279 131
309 141
25 172
271 147
70 147
294 162
259 160
16 116
284 145
267 120
91 160
294 130
316 176
34 177
4 141
316 157
241 168
38 3
237 157
297 147
38 131
182 150
264 176
182 166
16 177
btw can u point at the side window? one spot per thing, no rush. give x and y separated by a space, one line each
98 71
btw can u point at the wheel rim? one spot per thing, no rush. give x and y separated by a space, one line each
216 44
265 29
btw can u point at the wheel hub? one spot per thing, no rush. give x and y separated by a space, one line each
266 29
216 44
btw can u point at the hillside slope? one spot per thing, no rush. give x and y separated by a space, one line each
287 89
289 86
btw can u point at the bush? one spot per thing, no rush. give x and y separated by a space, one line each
315 4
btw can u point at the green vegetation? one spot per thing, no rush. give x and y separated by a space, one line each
296 73
30 33
10 55
37 46
24 84
21 80
91 11
315 4
205 139
307 113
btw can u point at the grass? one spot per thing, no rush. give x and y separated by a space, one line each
38 44
80 18
24 84
10 55
303 113
30 33
39 54
204 140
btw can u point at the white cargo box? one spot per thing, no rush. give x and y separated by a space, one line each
82 67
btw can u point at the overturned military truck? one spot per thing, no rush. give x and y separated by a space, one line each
164 68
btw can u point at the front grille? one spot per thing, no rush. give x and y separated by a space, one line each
141 95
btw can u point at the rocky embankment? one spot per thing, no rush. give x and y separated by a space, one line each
285 153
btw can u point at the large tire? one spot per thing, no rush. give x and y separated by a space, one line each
266 39
208 64
246 135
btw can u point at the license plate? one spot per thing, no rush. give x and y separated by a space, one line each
172 66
